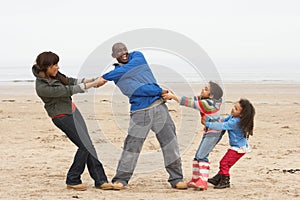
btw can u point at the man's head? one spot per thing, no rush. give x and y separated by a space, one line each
120 52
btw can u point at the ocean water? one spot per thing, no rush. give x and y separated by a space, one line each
169 67
24 74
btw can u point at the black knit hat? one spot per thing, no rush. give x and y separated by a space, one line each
215 90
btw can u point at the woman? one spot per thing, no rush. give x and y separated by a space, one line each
55 90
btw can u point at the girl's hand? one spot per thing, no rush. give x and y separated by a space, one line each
203 122
169 96
166 96
164 91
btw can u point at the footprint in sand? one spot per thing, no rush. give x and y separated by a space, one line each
8 100
285 127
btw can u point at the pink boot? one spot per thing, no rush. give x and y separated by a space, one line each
195 174
201 184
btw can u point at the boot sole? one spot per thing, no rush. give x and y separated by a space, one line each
106 188
200 188
222 187
191 185
213 183
77 189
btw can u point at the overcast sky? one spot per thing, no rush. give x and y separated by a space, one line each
234 33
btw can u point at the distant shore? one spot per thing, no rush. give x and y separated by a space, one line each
192 82
25 87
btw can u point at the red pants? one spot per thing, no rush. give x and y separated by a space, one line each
228 160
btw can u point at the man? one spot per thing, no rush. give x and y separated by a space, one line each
134 77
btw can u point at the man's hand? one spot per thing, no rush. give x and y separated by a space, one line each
100 81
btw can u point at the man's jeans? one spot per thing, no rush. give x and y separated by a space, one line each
75 128
159 121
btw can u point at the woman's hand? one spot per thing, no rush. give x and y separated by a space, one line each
89 83
88 80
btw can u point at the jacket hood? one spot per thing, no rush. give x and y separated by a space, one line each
35 72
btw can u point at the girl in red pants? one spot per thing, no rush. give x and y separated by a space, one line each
239 125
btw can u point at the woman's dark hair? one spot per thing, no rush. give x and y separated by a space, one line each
215 90
45 60
247 117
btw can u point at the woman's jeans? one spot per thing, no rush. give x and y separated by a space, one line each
75 128
208 142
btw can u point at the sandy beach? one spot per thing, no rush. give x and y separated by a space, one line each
35 155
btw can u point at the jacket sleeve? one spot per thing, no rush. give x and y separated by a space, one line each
116 74
191 102
75 81
59 90
136 59
226 118
228 125
203 105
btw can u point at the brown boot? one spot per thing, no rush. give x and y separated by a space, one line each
105 186
181 185
118 186
78 187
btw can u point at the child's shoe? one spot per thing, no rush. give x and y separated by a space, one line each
192 183
215 180
201 184
224 182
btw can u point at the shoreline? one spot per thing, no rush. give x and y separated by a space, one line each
255 91
251 87
192 82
